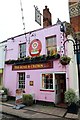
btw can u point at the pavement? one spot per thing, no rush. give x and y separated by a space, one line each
37 111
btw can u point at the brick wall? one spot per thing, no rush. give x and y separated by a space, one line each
75 22
47 21
74 12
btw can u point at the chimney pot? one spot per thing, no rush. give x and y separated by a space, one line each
46 7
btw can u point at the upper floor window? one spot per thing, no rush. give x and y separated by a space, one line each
51 45
22 50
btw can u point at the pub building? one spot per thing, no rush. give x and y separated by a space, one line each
33 64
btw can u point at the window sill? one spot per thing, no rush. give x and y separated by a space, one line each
47 90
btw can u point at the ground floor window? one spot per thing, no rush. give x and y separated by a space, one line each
22 80
47 81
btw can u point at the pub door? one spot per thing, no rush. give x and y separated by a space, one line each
60 87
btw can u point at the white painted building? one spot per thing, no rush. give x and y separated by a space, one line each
73 70
2 60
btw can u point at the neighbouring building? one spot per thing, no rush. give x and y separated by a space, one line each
2 60
74 12
33 64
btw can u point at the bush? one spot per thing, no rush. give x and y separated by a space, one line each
27 99
70 96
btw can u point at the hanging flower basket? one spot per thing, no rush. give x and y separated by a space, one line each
64 60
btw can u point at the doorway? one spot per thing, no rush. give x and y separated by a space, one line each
60 87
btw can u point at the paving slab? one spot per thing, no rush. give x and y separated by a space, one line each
22 113
38 111
72 116
48 109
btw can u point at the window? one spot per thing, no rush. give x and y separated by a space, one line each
22 80
51 45
47 81
23 50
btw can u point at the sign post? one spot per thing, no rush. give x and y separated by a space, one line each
19 94
19 99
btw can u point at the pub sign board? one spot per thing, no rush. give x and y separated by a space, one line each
46 65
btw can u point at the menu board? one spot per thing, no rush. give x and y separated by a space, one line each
19 95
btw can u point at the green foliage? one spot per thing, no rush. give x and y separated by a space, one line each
36 59
27 99
64 60
70 96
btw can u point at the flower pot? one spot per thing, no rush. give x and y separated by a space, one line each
64 62
4 98
72 108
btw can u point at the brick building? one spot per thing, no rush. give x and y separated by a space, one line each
74 12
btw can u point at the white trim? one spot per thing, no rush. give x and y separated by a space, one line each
59 72
41 80
53 79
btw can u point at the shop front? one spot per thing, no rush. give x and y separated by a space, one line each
41 80
36 67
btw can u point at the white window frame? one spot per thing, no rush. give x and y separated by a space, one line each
19 50
18 80
51 46
53 79
41 81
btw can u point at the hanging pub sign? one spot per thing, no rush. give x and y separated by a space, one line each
35 47
37 15
46 65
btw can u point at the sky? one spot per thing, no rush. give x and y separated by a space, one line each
11 17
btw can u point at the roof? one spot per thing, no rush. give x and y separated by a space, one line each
31 32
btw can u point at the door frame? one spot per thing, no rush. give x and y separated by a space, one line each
58 98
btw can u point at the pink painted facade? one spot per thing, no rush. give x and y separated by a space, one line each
11 76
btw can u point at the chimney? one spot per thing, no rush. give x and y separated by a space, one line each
47 21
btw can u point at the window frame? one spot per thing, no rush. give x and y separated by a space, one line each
22 51
53 46
23 81
41 88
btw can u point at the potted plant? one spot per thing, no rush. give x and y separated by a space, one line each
64 60
53 56
71 100
5 94
27 99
